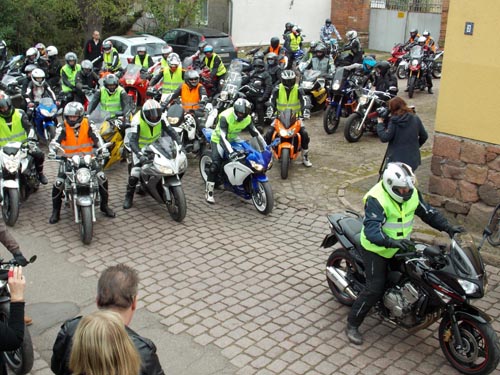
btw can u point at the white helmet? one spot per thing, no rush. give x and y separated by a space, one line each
32 52
38 77
52 51
398 175
173 60
151 112
421 40
351 34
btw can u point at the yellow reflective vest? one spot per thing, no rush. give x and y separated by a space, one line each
12 131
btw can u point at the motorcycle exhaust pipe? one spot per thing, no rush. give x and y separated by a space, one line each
340 282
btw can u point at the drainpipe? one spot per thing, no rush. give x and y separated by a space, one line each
230 26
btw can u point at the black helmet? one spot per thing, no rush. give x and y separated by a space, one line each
111 83
192 78
258 55
288 78
321 49
6 108
288 26
272 59
413 33
382 67
258 65
275 42
151 112
328 21
74 110
242 108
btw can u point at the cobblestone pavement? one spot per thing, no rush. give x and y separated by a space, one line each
251 287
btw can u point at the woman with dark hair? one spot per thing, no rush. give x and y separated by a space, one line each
404 132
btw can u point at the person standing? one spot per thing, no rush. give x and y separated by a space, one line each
93 49
404 133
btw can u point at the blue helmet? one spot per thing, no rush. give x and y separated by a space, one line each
208 48
368 63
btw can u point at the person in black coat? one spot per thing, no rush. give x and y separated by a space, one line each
404 132
93 49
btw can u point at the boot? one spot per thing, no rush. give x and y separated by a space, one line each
56 205
42 178
209 192
353 334
305 158
103 191
129 195
429 90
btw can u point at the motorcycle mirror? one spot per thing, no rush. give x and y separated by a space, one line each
432 251
32 259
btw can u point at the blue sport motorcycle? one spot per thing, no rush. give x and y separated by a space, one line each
45 119
245 176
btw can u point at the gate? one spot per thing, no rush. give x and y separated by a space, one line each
392 20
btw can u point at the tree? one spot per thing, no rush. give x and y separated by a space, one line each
173 13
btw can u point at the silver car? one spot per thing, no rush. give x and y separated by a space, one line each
127 46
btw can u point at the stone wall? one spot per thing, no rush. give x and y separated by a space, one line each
465 178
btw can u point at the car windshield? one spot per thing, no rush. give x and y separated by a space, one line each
152 48
219 42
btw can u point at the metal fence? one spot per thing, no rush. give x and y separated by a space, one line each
422 6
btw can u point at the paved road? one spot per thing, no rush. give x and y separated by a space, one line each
229 291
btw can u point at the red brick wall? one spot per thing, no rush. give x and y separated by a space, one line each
444 22
352 15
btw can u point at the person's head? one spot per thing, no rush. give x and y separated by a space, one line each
368 63
272 59
399 181
111 83
41 48
6 107
70 59
242 108
258 65
382 67
351 34
288 78
426 34
102 346
166 51
421 41
96 35
38 77
73 114
296 30
313 45
202 45
173 61
288 26
118 285
141 50
275 42
29 69
107 46
320 50
398 107
208 50
52 51
87 67
192 78
32 54
328 22
413 33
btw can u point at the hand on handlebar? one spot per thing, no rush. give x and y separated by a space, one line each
404 245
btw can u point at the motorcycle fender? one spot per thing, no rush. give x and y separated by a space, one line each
171 181
84 201
329 240
259 178
473 313
11 184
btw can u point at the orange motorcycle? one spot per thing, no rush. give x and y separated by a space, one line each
286 129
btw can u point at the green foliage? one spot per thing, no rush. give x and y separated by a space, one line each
173 13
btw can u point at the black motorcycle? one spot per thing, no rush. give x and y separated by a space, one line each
423 286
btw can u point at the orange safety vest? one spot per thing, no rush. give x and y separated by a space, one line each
190 97
81 145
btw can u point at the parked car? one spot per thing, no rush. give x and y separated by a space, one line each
126 46
185 42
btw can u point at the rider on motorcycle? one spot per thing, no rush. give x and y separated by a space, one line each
421 41
275 47
165 52
320 61
15 127
293 42
327 30
414 35
199 56
112 97
143 59
192 93
262 82
55 66
390 207
76 135
231 123
172 77
146 127
288 95
37 89
354 46
273 68
87 78
215 64
68 75
311 51
430 44
33 57
110 58
384 79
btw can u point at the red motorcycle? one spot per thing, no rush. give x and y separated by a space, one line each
135 81
397 53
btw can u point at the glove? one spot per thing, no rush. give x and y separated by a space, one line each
20 259
307 114
404 245
269 112
233 156
105 153
454 229
143 159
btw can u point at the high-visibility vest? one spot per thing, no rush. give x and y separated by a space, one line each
221 69
234 127
399 219
163 63
290 101
148 134
71 75
111 103
295 41
190 97
145 63
171 80
12 131
82 144
108 59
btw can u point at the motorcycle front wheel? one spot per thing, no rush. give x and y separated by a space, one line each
285 162
412 82
177 206
436 71
10 208
342 262
353 129
479 353
330 120
86 224
262 197
20 361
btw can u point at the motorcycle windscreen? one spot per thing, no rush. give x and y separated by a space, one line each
48 105
465 258
287 118
416 52
98 116
132 71
311 75
166 146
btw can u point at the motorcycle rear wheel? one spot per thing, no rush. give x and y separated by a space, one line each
481 352
86 224
262 198
285 162
177 206
10 208
412 81
436 71
352 129
401 72
330 121
340 260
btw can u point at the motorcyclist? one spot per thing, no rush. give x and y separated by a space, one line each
321 61
215 64
86 79
327 30
390 207
354 46
273 68
192 93
76 135
37 89
146 127
288 30
26 80
293 43
33 57
42 50
429 42
414 35
231 123
384 79
16 127
311 51
276 48
199 56
54 74
288 95
112 98
68 77
172 77
260 80
165 52
143 59
428 60
110 59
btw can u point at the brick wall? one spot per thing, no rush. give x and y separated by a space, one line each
352 15
444 22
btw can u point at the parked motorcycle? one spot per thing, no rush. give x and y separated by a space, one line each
437 64
365 116
417 70
397 53
19 361
45 119
19 178
342 98
314 86
424 285
11 85
135 81
230 87
161 177
11 67
246 177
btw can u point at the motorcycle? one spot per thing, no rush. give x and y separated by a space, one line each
397 53
286 131
437 64
314 86
365 116
11 85
417 70
230 87
246 176
135 81
11 67
424 286
81 188
20 361
19 178
184 123
161 176
45 119
343 97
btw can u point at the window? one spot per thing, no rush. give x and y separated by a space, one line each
181 38
170 36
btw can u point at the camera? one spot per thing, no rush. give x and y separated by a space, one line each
383 112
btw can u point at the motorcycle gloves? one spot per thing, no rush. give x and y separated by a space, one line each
404 245
307 114
20 259
143 159
454 229
233 156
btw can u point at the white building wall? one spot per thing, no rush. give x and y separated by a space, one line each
254 22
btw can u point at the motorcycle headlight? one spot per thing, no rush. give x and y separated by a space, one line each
258 167
468 287
83 176
76 160
129 81
414 62
307 85
45 113
336 85
164 169
173 120
184 165
363 100
223 95
11 164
